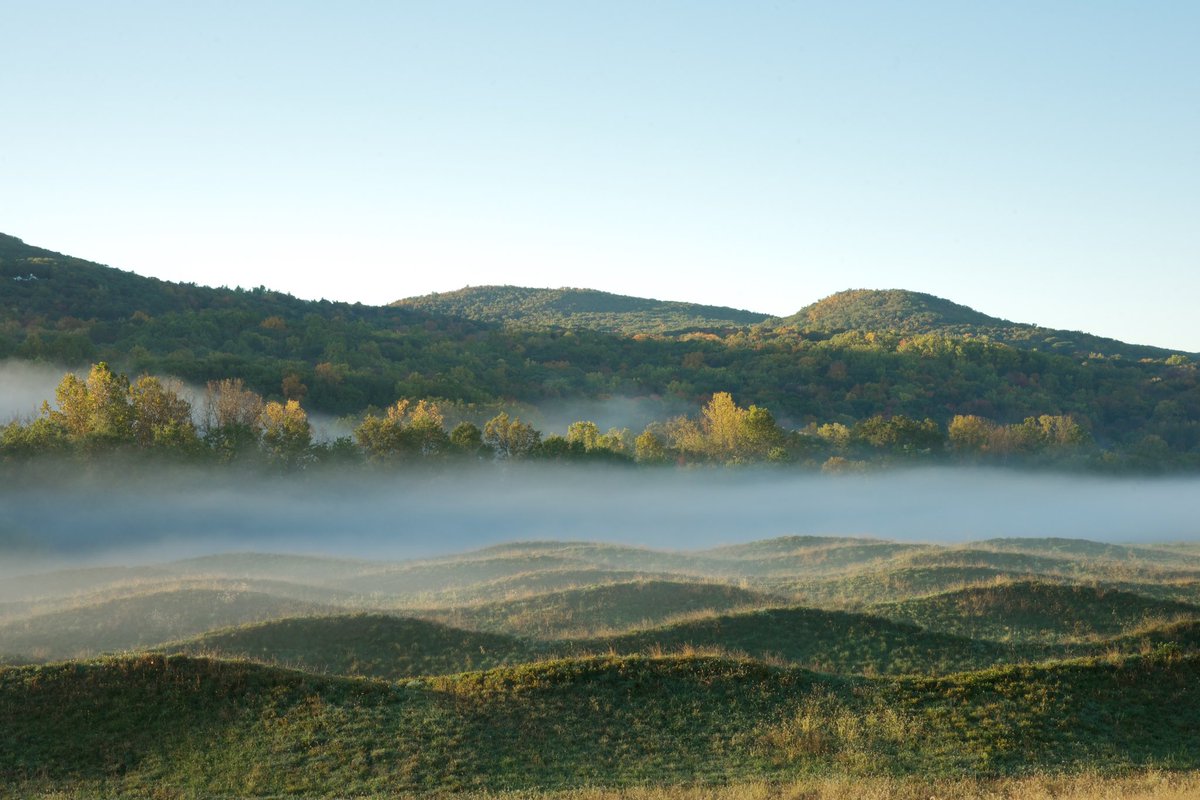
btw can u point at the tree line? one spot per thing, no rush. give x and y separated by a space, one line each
107 413
1140 405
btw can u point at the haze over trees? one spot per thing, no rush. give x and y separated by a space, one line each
106 413
827 371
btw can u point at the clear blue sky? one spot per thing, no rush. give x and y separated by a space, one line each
1038 161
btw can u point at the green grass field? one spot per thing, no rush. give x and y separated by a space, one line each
1035 611
820 667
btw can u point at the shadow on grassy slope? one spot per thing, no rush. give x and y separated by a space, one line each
149 724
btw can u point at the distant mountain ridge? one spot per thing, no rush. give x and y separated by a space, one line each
847 358
66 291
586 308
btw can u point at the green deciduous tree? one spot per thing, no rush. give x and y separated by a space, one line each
584 432
407 429
650 447
900 434
96 413
467 439
970 434
162 417
510 438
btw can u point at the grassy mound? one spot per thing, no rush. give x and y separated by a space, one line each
279 566
409 581
141 621
609 607
819 561
281 590
372 645
607 555
65 582
860 588
1004 561
1086 549
1034 611
828 641
1169 637
520 586
146 725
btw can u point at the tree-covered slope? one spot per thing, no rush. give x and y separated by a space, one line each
887 309
582 308
343 358
907 312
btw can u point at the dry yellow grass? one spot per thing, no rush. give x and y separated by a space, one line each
1153 785
1142 786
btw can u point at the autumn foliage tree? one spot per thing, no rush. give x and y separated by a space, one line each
406 429
232 418
509 437
286 434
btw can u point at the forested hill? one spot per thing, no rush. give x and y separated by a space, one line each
342 358
901 311
888 309
74 294
582 308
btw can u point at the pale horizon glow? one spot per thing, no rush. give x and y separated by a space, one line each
1039 163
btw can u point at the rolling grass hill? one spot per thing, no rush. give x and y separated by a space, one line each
82 581
1013 561
581 308
1183 635
826 641
835 642
786 546
277 566
788 555
1027 611
870 586
1099 551
66 582
821 561
964 667
140 621
1153 577
137 726
585 611
372 645
526 584
282 591
608 556
410 581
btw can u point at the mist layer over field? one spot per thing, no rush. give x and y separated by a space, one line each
127 515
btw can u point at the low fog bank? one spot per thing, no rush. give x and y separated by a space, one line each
25 385
634 413
108 517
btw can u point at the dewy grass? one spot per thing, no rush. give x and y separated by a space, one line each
711 684
213 727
